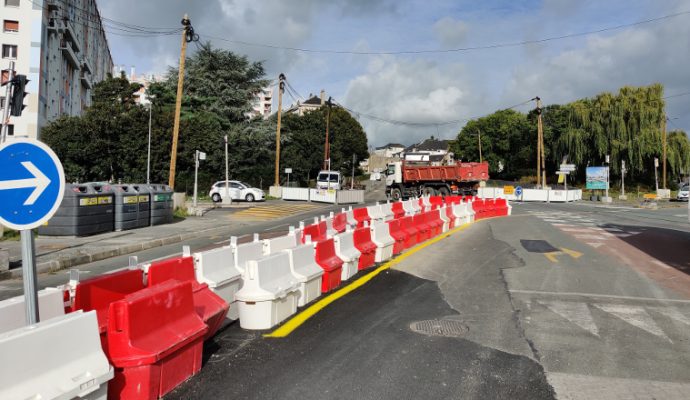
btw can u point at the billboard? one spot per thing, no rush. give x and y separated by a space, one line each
596 177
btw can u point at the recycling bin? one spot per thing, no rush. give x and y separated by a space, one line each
144 200
161 204
126 206
86 209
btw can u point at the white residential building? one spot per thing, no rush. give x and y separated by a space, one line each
262 104
60 45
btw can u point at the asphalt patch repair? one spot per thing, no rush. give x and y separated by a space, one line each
362 347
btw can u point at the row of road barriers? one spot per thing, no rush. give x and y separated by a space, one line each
541 195
323 195
138 332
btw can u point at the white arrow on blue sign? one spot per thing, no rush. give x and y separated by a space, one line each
518 191
32 183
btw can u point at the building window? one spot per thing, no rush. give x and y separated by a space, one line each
10 26
12 3
10 130
2 103
9 51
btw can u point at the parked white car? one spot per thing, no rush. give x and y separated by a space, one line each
329 180
238 191
683 193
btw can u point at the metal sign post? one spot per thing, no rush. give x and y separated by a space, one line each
32 184
198 155
6 111
288 171
656 175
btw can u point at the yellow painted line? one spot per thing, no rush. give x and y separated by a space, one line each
303 316
552 256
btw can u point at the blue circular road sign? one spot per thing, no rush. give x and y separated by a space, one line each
518 191
32 183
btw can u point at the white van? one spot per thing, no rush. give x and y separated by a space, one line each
329 180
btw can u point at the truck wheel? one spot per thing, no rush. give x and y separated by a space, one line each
396 194
444 191
428 191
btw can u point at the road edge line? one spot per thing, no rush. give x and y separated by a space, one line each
302 317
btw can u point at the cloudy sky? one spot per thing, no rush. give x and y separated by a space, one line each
430 87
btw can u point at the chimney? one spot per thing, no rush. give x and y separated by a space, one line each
323 97
131 73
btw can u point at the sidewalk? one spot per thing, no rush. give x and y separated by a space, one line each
56 253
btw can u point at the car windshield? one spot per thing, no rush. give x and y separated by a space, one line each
322 178
390 170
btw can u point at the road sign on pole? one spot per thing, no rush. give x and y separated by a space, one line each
32 183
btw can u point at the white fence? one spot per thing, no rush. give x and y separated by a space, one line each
543 195
324 196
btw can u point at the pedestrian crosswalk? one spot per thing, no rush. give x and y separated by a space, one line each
585 228
646 319
268 212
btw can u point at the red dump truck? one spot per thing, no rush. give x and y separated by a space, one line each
408 179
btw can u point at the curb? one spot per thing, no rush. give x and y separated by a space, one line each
63 263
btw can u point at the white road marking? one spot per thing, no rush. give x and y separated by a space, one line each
9 289
635 316
590 237
577 313
594 295
661 264
596 245
672 313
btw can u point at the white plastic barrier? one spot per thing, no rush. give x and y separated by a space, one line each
426 202
307 272
322 195
375 212
350 217
13 311
59 358
292 193
242 253
415 206
461 213
387 211
384 242
216 268
330 232
276 245
269 294
409 207
349 196
345 250
444 217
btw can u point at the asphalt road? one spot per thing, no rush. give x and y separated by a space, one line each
572 301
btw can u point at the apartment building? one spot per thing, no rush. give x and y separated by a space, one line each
61 46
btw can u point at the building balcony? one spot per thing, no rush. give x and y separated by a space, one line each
69 54
85 79
67 29
86 65
53 4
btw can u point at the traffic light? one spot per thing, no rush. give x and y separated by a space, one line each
18 94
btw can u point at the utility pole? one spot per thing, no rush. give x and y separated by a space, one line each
148 157
227 199
178 102
327 156
8 96
354 160
538 140
480 144
663 155
540 132
281 87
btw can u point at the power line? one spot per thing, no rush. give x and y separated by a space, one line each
454 50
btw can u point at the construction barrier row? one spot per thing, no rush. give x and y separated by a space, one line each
137 333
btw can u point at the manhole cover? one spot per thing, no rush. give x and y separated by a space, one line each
439 327
537 246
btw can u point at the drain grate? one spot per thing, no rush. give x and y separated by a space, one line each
439 327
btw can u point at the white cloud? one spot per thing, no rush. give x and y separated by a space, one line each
451 32
410 90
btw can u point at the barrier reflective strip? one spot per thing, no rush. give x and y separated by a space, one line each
302 317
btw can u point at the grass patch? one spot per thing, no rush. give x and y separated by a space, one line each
9 234
180 213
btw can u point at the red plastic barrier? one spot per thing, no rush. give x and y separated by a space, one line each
331 264
436 201
210 307
407 224
398 234
318 232
363 243
451 216
433 219
423 229
398 210
98 292
340 222
502 206
362 216
481 209
155 341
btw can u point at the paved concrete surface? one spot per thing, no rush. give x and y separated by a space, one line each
576 322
